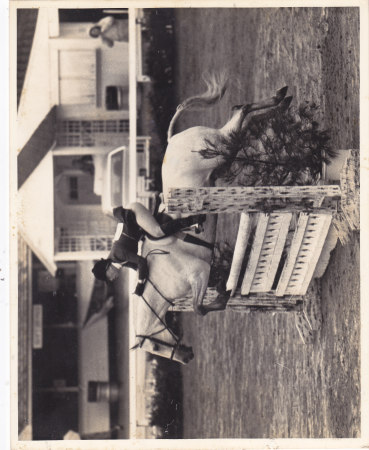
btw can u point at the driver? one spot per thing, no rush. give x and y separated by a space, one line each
135 221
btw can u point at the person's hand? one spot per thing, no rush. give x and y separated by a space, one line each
107 41
140 288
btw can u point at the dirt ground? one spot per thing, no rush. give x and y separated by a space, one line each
252 377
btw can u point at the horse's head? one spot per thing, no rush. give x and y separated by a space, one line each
152 332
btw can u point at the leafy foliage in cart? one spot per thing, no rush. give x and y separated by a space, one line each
276 148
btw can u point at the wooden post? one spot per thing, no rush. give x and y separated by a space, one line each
215 200
348 219
267 302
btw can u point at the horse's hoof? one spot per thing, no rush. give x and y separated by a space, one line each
188 354
236 107
285 104
188 358
201 311
199 229
246 109
281 93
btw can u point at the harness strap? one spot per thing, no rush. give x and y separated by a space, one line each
197 241
161 320
165 327
128 236
157 251
157 290
158 341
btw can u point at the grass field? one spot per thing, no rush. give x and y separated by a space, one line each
252 377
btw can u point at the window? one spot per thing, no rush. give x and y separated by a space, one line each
73 188
87 133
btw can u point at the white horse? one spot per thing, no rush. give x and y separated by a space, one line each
183 164
179 269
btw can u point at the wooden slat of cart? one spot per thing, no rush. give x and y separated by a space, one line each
255 253
292 254
304 255
239 252
312 243
326 220
271 252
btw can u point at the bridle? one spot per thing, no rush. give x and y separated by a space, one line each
151 337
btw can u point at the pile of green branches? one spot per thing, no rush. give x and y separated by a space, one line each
276 148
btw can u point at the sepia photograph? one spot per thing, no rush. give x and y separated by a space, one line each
185 214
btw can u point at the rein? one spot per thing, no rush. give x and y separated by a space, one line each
152 337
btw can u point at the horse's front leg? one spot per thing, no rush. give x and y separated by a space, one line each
220 302
198 280
199 283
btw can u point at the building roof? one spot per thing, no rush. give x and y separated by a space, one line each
36 212
35 100
26 25
36 147
35 135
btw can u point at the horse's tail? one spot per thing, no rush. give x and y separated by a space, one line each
216 84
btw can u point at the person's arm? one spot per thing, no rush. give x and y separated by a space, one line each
106 23
118 232
122 214
107 41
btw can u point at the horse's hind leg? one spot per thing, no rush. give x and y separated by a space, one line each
266 103
269 102
282 107
242 111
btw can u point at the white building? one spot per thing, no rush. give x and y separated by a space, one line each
75 96
73 113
